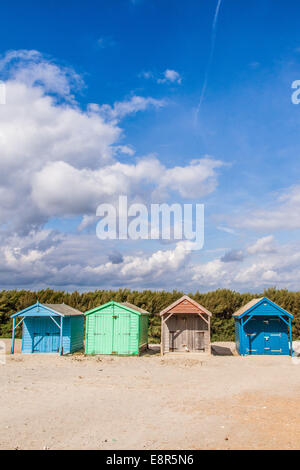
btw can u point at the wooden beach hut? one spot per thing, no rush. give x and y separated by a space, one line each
185 326
263 327
50 328
116 328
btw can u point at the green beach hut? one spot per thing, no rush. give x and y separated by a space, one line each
116 328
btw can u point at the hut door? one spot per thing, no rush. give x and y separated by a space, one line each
103 334
55 342
45 335
178 333
121 335
275 336
199 341
253 336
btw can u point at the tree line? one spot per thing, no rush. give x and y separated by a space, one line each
221 302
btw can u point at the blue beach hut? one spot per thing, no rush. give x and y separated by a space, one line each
49 328
262 327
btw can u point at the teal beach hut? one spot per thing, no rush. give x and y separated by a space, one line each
263 327
49 328
116 328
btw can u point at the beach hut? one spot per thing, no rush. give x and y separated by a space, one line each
50 328
185 326
116 328
262 327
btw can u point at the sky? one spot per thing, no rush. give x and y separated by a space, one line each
163 101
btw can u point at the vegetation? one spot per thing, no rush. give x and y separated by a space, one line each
222 303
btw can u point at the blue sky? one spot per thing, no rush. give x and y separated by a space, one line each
142 65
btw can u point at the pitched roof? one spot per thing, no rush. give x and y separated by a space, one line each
133 307
63 309
253 302
246 307
185 297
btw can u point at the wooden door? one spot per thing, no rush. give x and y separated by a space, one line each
178 333
199 343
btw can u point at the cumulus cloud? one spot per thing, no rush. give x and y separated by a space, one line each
195 180
58 160
71 261
262 266
284 214
87 188
263 245
120 109
170 76
40 136
47 257
233 256
139 269
35 132
30 67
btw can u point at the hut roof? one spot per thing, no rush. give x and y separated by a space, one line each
185 297
59 309
63 309
134 307
246 307
241 311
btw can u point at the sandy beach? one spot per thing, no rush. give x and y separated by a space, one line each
179 401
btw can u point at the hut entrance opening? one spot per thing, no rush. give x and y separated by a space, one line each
186 333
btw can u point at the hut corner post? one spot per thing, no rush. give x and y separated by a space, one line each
61 336
13 336
291 338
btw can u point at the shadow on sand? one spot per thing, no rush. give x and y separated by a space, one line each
221 350
153 349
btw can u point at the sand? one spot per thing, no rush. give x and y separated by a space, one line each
184 401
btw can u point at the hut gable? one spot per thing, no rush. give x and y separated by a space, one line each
119 305
185 305
38 310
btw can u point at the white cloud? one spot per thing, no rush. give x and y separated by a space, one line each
35 132
48 258
225 229
262 245
42 136
195 180
265 267
31 68
284 214
170 76
87 188
139 268
58 160
120 109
